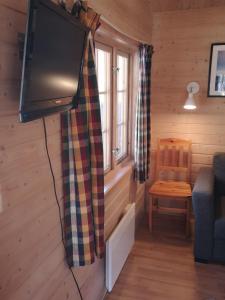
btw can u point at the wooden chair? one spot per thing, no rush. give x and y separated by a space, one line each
173 168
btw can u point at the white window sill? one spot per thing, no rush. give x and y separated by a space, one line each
114 177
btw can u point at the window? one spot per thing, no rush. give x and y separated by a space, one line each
103 65
122 106
113 82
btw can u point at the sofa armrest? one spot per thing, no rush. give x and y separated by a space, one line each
203 206
205 181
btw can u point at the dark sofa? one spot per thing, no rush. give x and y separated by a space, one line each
208 200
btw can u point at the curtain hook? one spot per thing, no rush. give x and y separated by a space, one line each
77 7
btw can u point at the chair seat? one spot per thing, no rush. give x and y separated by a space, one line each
170 189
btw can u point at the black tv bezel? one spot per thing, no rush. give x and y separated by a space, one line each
54 105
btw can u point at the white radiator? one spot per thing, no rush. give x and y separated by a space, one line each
119 245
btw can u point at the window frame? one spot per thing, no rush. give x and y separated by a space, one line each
127 154
109 49
120 44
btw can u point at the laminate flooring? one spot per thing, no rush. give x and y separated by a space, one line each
161 267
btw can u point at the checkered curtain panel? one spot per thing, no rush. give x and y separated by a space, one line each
142 131
83 173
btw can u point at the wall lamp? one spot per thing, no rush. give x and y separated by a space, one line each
192 88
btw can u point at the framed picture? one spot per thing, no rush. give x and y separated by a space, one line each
216 84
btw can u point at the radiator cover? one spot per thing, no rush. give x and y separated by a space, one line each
119 245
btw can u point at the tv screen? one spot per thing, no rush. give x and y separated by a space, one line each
53 54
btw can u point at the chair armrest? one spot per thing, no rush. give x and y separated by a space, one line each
203 206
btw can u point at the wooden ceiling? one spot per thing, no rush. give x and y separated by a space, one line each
168 5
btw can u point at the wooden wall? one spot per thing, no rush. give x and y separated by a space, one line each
132 17
32 264
167 5
182 42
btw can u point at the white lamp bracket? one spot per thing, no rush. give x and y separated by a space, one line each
193 87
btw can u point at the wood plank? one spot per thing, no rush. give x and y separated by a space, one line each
31 254
164 268
162 5
170 189
12 22
182 50
168 210
119 15
20 6
174 169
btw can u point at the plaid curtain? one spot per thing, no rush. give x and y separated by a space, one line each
142 131
83 173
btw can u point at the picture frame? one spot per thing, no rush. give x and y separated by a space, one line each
216 81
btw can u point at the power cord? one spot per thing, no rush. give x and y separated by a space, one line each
57 201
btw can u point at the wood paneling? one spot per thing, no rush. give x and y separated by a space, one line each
163 268
31 253
167 5
182 48
133 17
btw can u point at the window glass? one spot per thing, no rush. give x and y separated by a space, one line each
113 92
103 65
122 106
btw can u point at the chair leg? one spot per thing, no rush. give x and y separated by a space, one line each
188 217
150 210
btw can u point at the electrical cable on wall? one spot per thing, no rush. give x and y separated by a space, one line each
57 201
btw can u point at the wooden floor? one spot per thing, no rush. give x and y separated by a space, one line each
162 268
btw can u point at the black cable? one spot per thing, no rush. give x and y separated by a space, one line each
57 201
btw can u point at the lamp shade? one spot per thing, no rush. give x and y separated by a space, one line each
190 102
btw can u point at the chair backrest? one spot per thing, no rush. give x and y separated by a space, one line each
173 160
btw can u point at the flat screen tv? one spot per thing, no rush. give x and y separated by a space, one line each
52 60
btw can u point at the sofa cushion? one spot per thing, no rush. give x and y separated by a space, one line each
219 170
220 219
219 251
